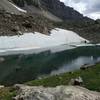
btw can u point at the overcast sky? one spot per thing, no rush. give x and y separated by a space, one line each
90 8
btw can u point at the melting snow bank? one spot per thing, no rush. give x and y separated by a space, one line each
58 40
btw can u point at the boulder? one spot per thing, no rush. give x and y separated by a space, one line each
76 81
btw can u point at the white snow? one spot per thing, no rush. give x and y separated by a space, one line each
98 44
36 41
18 8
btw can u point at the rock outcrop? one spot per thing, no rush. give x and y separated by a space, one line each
57 93
11 24
60 10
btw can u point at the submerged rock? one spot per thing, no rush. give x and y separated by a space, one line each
2 59
57 93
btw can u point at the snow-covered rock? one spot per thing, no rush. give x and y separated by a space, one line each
37 40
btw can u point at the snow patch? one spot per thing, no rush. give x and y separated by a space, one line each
18 8
37 40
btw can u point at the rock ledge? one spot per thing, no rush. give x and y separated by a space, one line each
57 93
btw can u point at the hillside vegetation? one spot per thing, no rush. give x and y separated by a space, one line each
90 76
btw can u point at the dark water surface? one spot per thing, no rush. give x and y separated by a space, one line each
22 68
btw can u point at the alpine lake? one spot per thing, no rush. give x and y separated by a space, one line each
21 68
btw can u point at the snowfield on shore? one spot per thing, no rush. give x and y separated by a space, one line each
37 40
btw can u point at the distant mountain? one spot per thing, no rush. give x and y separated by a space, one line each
16 21
20 16
54 7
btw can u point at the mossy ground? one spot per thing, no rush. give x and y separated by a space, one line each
90 76
7 93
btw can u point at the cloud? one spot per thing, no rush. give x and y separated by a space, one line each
93 6
94 15
90 8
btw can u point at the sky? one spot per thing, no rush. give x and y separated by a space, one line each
90 8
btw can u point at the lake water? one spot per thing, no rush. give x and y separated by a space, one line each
21 68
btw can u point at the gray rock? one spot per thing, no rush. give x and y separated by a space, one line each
57 93
2 59
76 81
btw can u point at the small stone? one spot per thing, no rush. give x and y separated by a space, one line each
2 86
2 59
78 81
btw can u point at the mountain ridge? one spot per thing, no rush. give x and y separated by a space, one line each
57 8
36 18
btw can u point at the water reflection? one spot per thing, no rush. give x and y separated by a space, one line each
22 68
75 64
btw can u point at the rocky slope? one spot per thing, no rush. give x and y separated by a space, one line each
57 93
9 7
36 7
56 7
11 24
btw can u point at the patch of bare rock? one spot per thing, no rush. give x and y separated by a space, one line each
11 24
55 93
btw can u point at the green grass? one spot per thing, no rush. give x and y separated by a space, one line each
90 76
7 93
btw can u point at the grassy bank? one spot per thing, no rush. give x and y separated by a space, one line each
7 93
90 76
